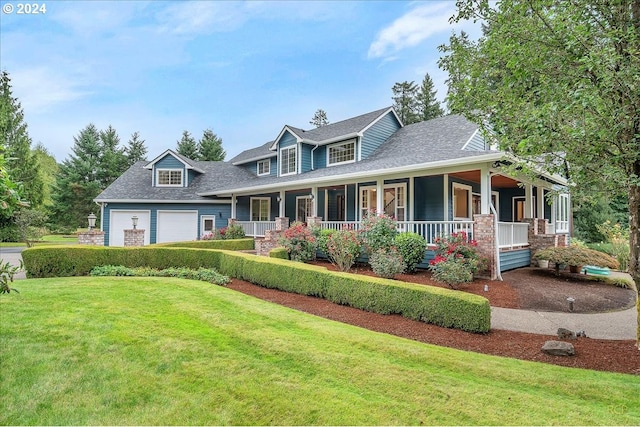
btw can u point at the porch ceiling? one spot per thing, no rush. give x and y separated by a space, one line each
497 181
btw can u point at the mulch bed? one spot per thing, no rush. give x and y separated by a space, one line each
522 288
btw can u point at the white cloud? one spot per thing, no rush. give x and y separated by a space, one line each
202 17
412 28
41 88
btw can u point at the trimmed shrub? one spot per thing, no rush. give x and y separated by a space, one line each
280 253
202 274
386 263
412 247
244 244
429 304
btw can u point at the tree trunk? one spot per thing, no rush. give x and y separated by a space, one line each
634 239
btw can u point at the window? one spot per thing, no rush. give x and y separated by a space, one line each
264 167
462 201
288 163
260 208
304 208
344 152
169 177
562 213
207 225
395 200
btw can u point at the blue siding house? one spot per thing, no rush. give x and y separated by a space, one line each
434 177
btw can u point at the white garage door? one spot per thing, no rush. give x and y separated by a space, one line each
177 226
120 220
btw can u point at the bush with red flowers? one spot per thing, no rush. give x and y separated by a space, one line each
456 260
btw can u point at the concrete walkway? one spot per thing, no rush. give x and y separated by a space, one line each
616 325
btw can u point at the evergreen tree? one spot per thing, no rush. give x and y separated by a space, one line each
187 146
428 105
135 150
113 161
77 182
21 164
319 118
210 147
405 101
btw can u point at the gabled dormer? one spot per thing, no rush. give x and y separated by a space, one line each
348 141
171 170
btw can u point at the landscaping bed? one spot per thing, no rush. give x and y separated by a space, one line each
604 355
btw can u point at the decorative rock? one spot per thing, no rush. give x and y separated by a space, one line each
558 348
565 334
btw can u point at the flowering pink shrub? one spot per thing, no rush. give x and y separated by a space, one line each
343 248
299 242
456 260
377 231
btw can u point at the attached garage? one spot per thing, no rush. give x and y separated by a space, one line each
177 226
120 220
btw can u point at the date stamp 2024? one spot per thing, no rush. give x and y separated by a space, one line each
24 8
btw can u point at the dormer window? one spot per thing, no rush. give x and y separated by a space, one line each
264 167
344 152
288 161
169 177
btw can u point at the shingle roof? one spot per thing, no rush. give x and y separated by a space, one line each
261 152
438 141
135 183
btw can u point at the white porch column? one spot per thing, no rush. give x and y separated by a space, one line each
485 190
281 204
445 214
528 201
233 206
314 200
540 201
380 197
412 198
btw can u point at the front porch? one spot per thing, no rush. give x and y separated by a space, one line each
491 207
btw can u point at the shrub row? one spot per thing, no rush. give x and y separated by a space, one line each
228 245
439 306
203 274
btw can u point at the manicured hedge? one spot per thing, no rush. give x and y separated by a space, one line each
443 307
281 253
229 245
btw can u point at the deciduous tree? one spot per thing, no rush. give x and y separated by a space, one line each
557 84
319 118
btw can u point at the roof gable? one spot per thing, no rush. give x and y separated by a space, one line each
188 163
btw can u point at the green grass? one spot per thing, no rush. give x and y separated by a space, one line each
51 239
88 350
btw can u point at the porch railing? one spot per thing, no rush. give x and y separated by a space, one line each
256 228
513 234
430 230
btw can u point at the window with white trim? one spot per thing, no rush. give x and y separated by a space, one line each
344 152
264 167
260 208
462 201
207 225
304 208
169 177
562 213
288 161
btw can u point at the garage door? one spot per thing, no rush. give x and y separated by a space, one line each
120 220
177 226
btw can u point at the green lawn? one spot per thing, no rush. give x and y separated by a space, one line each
51 239
119 351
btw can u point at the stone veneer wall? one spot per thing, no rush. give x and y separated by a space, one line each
484 234
539 237
91 237
270 241
134 237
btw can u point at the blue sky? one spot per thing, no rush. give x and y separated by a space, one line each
242 69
